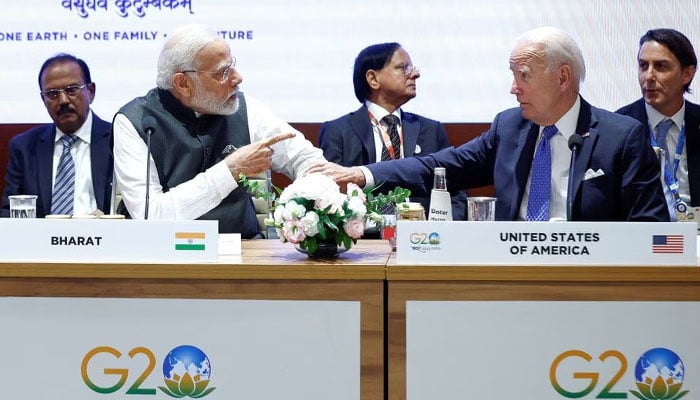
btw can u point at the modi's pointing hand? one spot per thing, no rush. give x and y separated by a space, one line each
254 158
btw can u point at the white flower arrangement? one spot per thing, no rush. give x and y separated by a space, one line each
312 210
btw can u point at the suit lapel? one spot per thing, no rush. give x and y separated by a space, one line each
586 128
44 162
692 148
100 152
410 127
362 127
639 112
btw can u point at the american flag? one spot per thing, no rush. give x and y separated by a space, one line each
667 244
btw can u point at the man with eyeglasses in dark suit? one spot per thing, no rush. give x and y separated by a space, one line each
76 136
384 79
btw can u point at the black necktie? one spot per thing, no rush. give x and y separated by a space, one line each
392 122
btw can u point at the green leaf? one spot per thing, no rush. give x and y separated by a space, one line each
254 190
681 394
206 392
311 245
376 201
321 230
332 225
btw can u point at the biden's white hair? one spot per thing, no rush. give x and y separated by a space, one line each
557 48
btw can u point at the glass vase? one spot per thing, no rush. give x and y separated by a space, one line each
325 249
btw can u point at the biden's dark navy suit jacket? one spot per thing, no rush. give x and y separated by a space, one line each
30 166
637 111
628 190
349 141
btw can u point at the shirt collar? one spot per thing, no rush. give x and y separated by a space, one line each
83 133
379 112
567 123
655 116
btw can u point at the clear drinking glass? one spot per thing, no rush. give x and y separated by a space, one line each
23 206
481 208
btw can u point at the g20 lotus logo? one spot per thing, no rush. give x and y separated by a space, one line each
186 372
425 238
658 374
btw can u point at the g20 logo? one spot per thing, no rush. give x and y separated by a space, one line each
186 372
658 374
425 238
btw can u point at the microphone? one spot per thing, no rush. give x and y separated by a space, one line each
575 143
149 126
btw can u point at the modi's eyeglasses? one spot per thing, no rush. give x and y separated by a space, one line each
222 74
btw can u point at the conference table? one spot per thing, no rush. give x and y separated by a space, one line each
267 270
501 331
462 331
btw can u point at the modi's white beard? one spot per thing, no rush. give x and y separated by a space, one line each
207 105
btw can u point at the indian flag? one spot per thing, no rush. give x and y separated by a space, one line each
189 240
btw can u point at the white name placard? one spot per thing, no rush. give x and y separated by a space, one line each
100 240
538 243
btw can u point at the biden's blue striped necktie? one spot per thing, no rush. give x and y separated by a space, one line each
64 186
541 178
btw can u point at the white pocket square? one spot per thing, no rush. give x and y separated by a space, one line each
590 174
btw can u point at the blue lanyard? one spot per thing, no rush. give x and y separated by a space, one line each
671 178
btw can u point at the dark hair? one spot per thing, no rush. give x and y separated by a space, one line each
60 57
676 43
375 56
